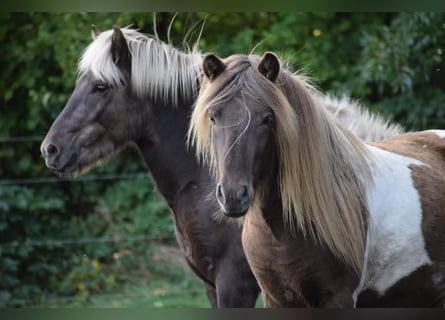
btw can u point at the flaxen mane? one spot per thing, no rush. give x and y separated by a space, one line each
369 127
158 69
323 169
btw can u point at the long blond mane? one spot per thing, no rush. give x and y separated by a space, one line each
323 170
158 69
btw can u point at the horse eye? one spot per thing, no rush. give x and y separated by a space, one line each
100 87
213 115
268 120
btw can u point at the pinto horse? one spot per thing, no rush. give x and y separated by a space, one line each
138 90
328 220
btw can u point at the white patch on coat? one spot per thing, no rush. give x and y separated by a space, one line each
395 243
440 133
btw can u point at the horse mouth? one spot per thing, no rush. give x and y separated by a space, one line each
67 168
234 213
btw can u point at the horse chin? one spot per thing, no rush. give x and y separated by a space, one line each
235 209
78 166
89 158
63 165
234 214
69 172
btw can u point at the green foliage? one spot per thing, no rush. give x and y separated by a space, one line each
159 291
80 238
404 62
36 220
85 278
45 252
394 62
23 264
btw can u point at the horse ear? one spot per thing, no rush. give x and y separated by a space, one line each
269 66
94 31
119 49
212 66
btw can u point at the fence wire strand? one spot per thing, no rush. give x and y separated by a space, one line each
81 241
101 177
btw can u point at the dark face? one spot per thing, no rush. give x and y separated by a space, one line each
242 129
242 132
96 121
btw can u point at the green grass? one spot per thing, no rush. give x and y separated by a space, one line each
160 280
158 293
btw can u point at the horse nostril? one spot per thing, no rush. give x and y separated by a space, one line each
52 150
243 193
220 194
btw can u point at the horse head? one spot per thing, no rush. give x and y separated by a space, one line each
101 115
242 127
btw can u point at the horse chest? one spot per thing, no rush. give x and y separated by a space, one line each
191 225
291 271
271 263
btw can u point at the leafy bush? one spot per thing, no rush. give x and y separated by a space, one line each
27 266
50 240
404 62
46 252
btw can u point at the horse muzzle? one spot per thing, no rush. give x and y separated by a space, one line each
234 202
57 159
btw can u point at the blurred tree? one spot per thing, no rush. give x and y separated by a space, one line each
403 62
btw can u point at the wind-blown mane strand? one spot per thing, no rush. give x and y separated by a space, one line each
158 69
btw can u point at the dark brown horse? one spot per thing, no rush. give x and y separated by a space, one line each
137 90
331 220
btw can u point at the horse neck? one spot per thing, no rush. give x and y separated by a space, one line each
268 196
173 91
163 147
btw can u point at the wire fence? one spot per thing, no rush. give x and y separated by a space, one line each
21 139
85 240
102 177
56 179
137 294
